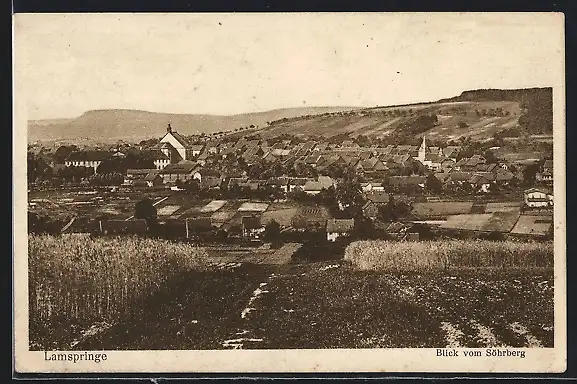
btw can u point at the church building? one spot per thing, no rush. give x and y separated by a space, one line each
177 148
431 160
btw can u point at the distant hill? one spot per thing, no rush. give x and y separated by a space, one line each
478 114
134 125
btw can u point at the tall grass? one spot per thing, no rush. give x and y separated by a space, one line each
454 254
81 280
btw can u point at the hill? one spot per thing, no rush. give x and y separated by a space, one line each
478 114
475 114
133 125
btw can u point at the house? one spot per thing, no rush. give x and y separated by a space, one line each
197 227
375 200
537 197
252 227
202 158
297 183
546 172
397 230
212 148
269 157
451 152
403 181
371 165
153 179
313 187
282 183
202 173
326 181
313 159
339 228
88 159
182 171
160 159
136 174
503 176
210 182
366 187
481 182
194 150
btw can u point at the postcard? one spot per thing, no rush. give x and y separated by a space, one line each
289 192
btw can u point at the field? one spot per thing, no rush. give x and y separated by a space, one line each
75 280
92 203
170 205
222 299
378 122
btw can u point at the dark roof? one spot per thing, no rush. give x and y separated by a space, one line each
340 225
151 176
89 156
139 171
180 168
378 197
124 226
204 172
407 180
199 224
251 222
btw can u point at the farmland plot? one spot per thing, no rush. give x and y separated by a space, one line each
332 305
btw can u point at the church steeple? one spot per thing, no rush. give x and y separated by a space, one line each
422 150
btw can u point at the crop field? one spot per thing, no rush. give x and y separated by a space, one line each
381 255
228 297
75 280
334 305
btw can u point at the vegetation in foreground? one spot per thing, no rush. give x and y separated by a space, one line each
154 294
449 254
331 304
76 280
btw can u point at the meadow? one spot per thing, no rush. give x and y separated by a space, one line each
450 255
76 281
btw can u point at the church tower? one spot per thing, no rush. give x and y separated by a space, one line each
422 151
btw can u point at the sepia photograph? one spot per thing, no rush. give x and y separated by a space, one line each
289 192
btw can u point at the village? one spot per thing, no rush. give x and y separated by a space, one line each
250 189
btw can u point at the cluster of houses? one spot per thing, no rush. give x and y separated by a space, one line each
176 159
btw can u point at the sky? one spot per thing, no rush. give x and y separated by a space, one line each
66 64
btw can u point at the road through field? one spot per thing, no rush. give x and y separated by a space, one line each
331 305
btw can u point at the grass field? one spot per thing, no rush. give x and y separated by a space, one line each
446 255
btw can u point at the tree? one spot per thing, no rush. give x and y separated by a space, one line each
393 211
530 172
433 184
192 186
272 232
145 209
